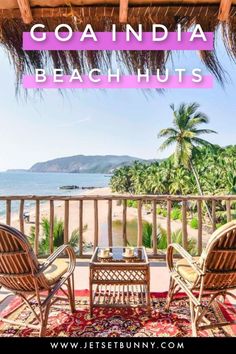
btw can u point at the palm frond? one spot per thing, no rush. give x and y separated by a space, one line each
203 131
167 133
196 120
192 108
167 143
201 142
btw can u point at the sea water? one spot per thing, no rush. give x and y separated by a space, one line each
32 183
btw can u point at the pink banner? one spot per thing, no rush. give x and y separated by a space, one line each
104 42
130 81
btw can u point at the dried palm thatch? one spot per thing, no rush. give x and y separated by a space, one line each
101 18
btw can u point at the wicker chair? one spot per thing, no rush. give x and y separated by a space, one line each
25 276
212 275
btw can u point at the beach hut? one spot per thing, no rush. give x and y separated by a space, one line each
17 16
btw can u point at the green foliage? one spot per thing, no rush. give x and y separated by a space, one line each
161 211
219 225
194 223
147 234
164 213
132 203
221 217
74 238
58 236
161 238
176 237
176 214
215 167
212 167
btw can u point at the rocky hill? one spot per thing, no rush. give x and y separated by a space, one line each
85 164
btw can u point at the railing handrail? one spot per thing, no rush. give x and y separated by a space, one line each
119 197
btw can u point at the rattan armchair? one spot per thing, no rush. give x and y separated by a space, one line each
211 276
22 274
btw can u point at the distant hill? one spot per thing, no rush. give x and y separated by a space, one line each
85 164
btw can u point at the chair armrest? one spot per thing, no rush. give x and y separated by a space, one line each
64 248
191 261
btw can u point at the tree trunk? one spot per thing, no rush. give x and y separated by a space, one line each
200 189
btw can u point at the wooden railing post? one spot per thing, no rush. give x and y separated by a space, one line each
213 208
66 222
25 11
200 200
140 224
199 238
8 212
95 223
184 224
37 217
21 215
168 221
51 230
109 222
228 210
154 227
81 227
124 223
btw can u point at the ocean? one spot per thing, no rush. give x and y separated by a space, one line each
27 183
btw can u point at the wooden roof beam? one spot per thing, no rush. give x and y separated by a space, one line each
224 11
25 11
123 13
13 4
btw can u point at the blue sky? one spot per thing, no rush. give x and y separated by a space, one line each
94 122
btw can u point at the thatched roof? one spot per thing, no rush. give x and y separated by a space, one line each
101 14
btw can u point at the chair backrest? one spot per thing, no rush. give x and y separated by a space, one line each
219 258
18 262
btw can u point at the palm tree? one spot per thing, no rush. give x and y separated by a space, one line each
185 134
180 183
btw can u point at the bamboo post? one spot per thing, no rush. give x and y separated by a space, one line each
109 222
8 212
25 11
21 215
228 210
224 11
154 227
140 225
168 221
184 224
37 217
213 207
124 223
199 239
81 227
123 12
66 222
51 230
95 223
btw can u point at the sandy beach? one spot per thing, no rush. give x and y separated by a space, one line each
88 217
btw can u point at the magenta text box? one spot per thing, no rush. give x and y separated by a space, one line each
129 81
104 42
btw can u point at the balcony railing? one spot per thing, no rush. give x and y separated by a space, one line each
152 201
